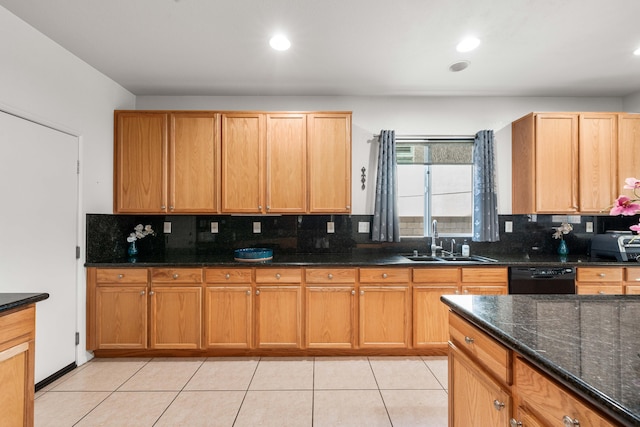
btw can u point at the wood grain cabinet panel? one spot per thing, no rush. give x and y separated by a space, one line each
228 321
278 316
121 317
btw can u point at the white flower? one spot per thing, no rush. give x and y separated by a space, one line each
140 232
564 228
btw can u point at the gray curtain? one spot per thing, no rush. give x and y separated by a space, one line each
386 224
485 199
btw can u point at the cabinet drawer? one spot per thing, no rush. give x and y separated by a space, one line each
381 275
228 275
632 274
484 349
551 402
484 274
17 324
436 275
176 275
599 274
599 289
330 275
278 275
121 275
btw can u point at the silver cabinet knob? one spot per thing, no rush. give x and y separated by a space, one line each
498 405
466 291
163 207
227 276
353 292
384 275
348 207
361 292
142 292
469 340
259 207
601 292
120 276
151 293
277 275
457 292
330 276
175 276
171 208
248 292
257 291
601 274
570 422
515 423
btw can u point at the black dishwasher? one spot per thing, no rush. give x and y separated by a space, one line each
542 280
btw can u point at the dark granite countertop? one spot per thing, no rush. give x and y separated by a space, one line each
10 301
356 258
589 343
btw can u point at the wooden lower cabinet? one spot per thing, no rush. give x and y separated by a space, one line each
475 398
329 316
17 360
278 316
176 313
121 317
599 280
384 316
228 317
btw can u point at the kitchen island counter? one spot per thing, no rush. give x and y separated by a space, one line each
9 301
588 344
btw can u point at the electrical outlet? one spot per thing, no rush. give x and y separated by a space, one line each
363 227
166 228
331 227
588 227
257 227
214 227
508 226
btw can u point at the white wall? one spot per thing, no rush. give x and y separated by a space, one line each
631 103
407 115
41 81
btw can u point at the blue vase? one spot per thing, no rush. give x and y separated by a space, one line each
132 250
563 250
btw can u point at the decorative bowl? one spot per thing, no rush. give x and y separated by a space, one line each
253 254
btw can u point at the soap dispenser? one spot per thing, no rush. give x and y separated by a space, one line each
465 248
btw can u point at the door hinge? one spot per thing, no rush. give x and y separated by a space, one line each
77 252
77 338
78 167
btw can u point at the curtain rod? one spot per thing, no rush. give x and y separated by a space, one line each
430 137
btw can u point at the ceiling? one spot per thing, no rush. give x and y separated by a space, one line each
350 47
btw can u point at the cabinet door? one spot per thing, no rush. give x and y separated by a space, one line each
278 313
176 317
228 317
121 317
286 163
628 148
329 145
598 141
193 163
140 162
430 315
475 399
384 313
330 313
243 137
556 163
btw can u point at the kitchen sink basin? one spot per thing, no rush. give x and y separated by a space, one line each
450 258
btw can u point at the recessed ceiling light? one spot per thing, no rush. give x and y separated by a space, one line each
458 66
280 42
468 44
637 52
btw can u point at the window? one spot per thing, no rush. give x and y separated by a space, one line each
435 181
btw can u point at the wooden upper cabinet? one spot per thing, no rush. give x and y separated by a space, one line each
598 144
329 145
243 137
194 162
140 176
556 142
628 149
286 157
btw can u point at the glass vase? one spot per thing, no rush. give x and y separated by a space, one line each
133 249
563 250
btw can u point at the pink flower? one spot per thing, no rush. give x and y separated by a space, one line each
624 206
635 228
631 183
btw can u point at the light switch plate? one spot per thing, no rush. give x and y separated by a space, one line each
331 227
363 227
257 227
588 226
508 226
214 227
166 228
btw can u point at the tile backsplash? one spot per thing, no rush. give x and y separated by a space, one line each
106 234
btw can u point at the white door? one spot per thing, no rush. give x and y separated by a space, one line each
38 232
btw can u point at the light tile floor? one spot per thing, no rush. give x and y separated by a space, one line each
320 391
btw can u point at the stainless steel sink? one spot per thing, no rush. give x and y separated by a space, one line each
450 258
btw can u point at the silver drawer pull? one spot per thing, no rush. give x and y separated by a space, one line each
227 276
384 275
277 275
498 405
515 423
353 291
468 340
570 422
330 276
175 276
120 276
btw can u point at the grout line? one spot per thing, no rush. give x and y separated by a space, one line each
380 392
235 419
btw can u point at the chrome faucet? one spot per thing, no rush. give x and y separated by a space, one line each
453 247
434 234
